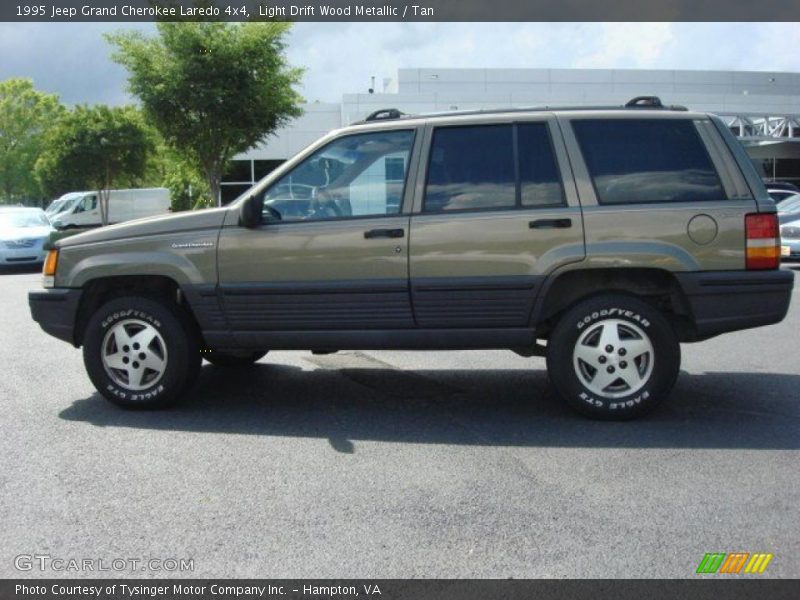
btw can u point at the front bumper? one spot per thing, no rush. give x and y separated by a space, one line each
723 301
22 256
56 311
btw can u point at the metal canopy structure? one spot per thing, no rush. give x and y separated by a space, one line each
767 137
760 126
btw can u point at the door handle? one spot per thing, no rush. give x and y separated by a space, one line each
550 224
384 233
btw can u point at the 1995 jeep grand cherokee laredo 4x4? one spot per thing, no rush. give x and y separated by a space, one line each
599 238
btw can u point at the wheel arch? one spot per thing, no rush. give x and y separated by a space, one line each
655 286
100 290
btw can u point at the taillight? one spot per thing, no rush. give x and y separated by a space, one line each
763 249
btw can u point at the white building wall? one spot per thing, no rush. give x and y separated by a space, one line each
432 90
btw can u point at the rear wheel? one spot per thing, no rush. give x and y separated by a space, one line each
233 359
613 357
140 353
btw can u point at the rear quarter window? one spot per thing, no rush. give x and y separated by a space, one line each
635 161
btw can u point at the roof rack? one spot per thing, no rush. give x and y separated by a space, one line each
638 103
644 102
384 114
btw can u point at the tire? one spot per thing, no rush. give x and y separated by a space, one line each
233 359
607 336
156 373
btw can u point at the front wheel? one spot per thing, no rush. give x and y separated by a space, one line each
140 353
613 357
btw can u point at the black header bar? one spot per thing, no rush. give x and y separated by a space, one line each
398 10
711 587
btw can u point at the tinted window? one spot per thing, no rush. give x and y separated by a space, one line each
647 160
357 175
471 168
540 182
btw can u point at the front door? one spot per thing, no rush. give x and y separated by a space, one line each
497 211
331 253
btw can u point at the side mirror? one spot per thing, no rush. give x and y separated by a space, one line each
251 211
58 224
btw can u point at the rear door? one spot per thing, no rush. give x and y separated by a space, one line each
496 210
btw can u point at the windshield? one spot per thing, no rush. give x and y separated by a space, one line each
61 204
14 220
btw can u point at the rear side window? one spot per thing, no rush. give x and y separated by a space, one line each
647 160
492 167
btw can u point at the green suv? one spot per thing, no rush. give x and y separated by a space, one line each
599 238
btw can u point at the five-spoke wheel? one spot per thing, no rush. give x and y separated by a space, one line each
613 357
134 354
141 352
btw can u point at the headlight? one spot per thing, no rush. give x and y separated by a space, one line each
49 269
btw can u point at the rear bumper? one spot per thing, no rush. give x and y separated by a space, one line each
723 301
56 310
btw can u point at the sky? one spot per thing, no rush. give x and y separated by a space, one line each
72 59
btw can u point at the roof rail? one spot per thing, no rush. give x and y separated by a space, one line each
638 103
384 114
650 102
644 102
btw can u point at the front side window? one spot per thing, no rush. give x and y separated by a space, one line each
357 175
647 160
86 204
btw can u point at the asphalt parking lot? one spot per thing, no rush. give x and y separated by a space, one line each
399 464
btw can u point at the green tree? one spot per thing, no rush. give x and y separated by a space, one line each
25 115
188 188
95 148
212 89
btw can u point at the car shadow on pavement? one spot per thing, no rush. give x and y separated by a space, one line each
20 269
474 407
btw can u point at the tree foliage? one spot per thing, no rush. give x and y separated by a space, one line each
212 89
94 148
25 116
188 188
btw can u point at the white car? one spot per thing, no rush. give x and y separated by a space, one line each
780 195
82 209
23 232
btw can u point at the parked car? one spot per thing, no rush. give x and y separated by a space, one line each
599 239
781 196
789 209
82 209
782 185
23 232
790 239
